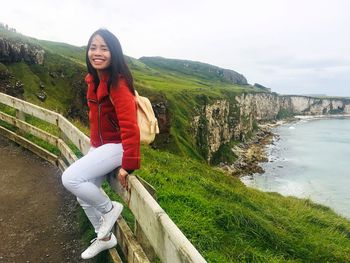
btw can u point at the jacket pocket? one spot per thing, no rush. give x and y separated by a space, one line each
91 102
113 123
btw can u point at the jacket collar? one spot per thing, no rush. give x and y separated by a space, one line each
102 90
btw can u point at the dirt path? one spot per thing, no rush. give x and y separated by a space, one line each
37 216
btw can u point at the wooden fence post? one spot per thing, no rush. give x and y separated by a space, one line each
20 115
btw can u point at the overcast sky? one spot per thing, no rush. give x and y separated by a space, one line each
290 46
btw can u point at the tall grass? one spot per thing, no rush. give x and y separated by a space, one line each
228 222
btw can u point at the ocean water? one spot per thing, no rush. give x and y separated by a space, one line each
309 159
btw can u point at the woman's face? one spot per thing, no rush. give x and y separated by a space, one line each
99 54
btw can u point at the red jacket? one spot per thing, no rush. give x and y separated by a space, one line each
114 123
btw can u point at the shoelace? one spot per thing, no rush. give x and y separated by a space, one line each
93 240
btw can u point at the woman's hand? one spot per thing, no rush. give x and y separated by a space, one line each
122 177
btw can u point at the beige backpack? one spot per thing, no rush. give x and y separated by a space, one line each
146 119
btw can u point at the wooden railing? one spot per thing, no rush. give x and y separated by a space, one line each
155 233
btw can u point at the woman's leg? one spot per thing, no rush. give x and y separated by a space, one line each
84 177
91 212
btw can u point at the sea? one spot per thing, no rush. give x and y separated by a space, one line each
309 158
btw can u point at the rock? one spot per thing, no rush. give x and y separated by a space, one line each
17 51
53 75
162 114
7 86
41 95
232 76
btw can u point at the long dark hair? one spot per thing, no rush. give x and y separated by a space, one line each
118 64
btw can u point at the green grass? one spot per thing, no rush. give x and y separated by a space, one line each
43 125
8 126
58 92
76 54
42 143
228 222
7 109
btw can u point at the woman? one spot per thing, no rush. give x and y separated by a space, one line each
114 137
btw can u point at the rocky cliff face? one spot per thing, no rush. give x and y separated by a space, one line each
232 76
8 84
267 106
315 106
212 127
11 51
221 121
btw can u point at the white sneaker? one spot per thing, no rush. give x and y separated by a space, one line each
109 219
98 245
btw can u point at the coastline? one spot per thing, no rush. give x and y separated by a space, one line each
300 151
310 117
253 152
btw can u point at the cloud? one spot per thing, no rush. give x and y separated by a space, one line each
278 43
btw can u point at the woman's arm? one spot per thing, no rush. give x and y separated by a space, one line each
126 110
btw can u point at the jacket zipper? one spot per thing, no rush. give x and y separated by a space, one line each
98 118
99 122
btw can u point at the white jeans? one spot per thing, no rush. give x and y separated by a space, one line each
85 177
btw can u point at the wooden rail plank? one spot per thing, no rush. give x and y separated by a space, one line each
115 256
168 241
41 152
131 248
66 152
61 165
74 134
29 128
29 108
142 239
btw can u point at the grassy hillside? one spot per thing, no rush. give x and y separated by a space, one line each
190 69
76 54
229 222
226 221
183 91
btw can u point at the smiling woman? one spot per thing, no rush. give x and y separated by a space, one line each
99 54
114 137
